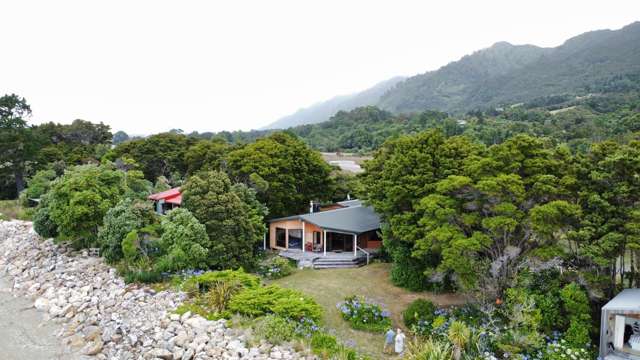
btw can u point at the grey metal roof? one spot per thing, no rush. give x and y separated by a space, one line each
628 299
350 203
352 219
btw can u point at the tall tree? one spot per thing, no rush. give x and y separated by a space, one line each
231 215
286 173
609 194
158 155
17 142
79 200
446 199
401 174
206 155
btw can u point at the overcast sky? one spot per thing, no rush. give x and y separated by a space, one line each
149 66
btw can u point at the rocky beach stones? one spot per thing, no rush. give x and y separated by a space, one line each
102 317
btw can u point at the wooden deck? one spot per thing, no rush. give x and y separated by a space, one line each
318 260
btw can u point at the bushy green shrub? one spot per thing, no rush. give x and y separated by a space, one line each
211 292
419 313
521 333
79 200
364 315
141 270
273 299
130 247
232 217
275 268
406 271
576 305
324 345
184 242
137 264
37 186
201 284
128 215
275 329
42 223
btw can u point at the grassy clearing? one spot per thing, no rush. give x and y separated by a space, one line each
11 209
328 287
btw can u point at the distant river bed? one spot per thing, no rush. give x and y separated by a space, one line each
347 165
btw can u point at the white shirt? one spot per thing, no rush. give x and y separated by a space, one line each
399 343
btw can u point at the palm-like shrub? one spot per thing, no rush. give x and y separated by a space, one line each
458 335
429 349
221 292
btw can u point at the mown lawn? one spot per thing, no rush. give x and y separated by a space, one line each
11 209
329 287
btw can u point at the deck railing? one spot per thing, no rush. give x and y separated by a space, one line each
364 251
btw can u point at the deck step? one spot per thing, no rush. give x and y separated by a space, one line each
338 266
336 263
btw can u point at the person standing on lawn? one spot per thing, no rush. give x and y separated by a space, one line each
388 340
399 342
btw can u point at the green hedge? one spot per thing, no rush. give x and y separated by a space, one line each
202 283
273 299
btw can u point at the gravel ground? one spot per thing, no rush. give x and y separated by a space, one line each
23 333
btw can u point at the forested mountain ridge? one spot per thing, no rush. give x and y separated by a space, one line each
504 74
322 111
576 121
450 87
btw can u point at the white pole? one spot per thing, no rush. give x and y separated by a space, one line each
303 238
324 241
355 245
264 241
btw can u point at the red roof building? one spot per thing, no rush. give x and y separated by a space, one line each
166 200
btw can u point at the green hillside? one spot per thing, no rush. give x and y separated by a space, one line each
594 62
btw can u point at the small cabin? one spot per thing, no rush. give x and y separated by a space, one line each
620 327
166 200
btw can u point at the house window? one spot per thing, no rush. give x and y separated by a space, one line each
295 239
281 237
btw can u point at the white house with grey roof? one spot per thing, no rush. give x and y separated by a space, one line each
344 234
